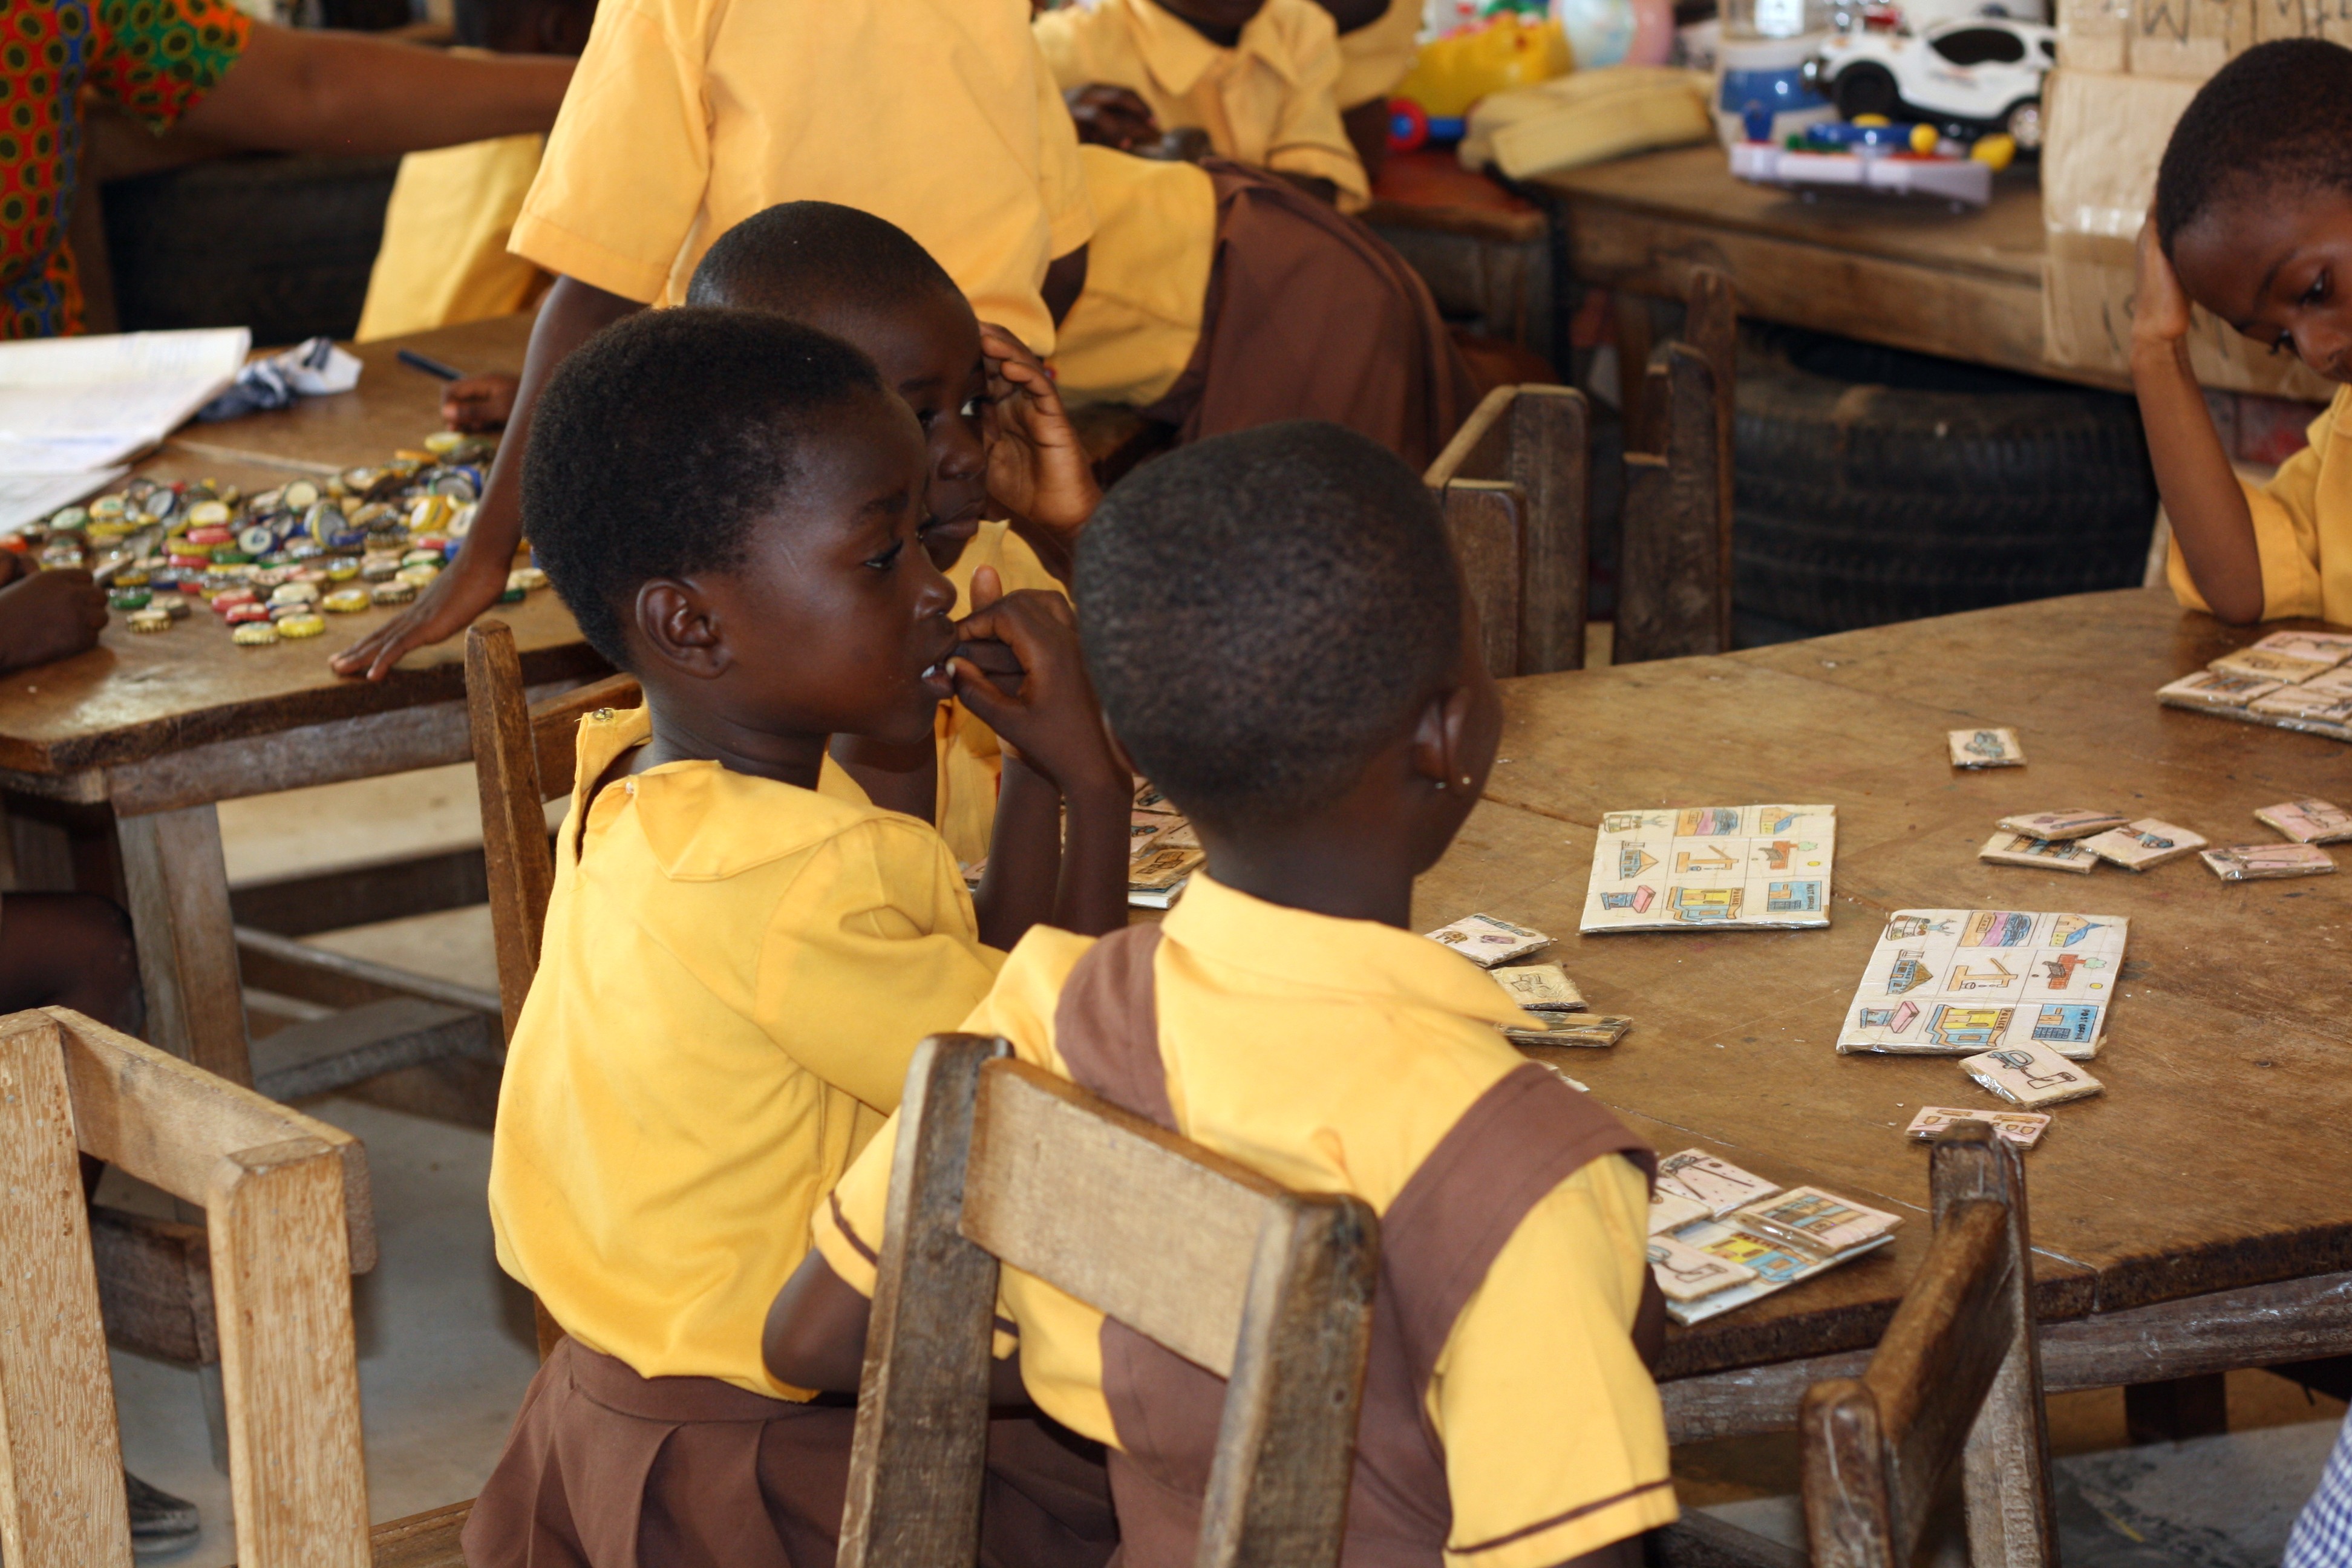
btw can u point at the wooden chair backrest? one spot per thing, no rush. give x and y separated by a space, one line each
1956 1377
1269 1289
1674 584
1515 484
287 1222
523 759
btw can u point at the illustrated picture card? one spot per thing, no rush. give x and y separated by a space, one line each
1985 748
2031 1075
1712 867
1540 987
2144 845
2023 1128
1958 982
2080 823
1487 942
2006 848
2307 821
2267 862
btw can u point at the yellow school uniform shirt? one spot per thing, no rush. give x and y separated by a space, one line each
1379 55
2302 528
733 976
1266 102
1333 1056
688 116
1134 328
444 258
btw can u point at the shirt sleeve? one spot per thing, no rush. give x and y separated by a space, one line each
629 159
1379 55
1307 137
2286 511
1061 43
1554 1439
1062 182
154 59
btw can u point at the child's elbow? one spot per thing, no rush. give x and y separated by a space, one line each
815 1333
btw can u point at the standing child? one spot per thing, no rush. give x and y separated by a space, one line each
1327 729
737 967
2253 222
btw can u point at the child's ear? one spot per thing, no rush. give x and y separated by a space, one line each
679 627
1442 744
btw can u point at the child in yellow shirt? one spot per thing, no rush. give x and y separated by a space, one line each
736 966
2253 221
1328 729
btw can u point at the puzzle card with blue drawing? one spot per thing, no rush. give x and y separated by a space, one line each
1954 983
1712 867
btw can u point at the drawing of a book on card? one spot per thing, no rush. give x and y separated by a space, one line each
1895 1019
1638 900
1996 928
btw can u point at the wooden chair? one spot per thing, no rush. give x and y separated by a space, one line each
288 1213
1957 1378
1674 581
1516 485
1268 1288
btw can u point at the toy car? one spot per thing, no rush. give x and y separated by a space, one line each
1967 76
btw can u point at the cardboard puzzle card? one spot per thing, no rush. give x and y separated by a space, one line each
1818 1221
1148 798
2062 824
1776 1266
2030 1074
2144 845
1953 982
2305 707
2266 862
1685 1274
2210 688
1672 1211
2308 821
1988 747
1488 942
2292 681
2268 664
1540 987
1719 1184
2023 1128
1157 872
2006 848
1568 1030
2327 647
1712 867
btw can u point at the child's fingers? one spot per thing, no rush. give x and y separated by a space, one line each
987 587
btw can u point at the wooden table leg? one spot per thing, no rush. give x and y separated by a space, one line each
178 887
2183 1408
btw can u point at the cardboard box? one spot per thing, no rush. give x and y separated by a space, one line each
2106 136
2094 35
2189 40
2330 19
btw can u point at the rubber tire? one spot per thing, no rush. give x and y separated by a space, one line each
2026 114
1866 89
1877 486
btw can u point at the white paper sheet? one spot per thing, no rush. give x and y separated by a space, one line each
26 497
70 404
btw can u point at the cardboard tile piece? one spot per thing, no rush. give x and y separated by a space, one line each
2062 824
2266 862
2031 1075
1711 867
2263 664
1568 1030
1719 1184
1672 1211
2006 848
1540 987
1685 1274
1155 869
2144 845
1818 1221
1488 942
2325 647
2308 821
2023 1128
1956 982
1987 747
2211 689
2300 707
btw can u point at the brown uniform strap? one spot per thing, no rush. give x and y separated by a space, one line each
1107 1026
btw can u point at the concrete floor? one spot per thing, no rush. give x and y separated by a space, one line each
446 1347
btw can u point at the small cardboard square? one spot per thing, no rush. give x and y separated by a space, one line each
1540 987
2297 706
1815 1220
1672 1211
2006 849
1568 1029
2212 688
1721 1186
1177 834
1685 1274
1721 868
2023 1128
2062 824
2330 647
2267 862
1148 798
2308 821
1488 942
1156 870
1988 747
2265 664
2031 1075
2143 845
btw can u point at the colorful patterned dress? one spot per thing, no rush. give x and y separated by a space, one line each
151 58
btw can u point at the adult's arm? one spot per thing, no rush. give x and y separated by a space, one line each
343 92
574 313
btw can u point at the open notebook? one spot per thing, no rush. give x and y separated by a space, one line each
70 405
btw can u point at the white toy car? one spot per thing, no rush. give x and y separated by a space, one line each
1967 76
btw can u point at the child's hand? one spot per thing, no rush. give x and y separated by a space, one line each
1036 468
479 403
1049 720
1111 116
2159 305
51 616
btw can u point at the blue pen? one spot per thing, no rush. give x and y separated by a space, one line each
430 366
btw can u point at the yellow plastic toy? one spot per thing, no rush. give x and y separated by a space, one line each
1509 51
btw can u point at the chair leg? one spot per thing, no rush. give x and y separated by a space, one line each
1701 1541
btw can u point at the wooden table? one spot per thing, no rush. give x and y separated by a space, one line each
146 733
1915 274
2215 1163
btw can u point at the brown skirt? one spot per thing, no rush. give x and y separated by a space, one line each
608 1470
1311 315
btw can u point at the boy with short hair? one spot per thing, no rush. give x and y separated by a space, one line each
2253 221
736 967
1328 729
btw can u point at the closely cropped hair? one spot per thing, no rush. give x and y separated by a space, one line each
798 257
658 442
2278 116
1262 611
